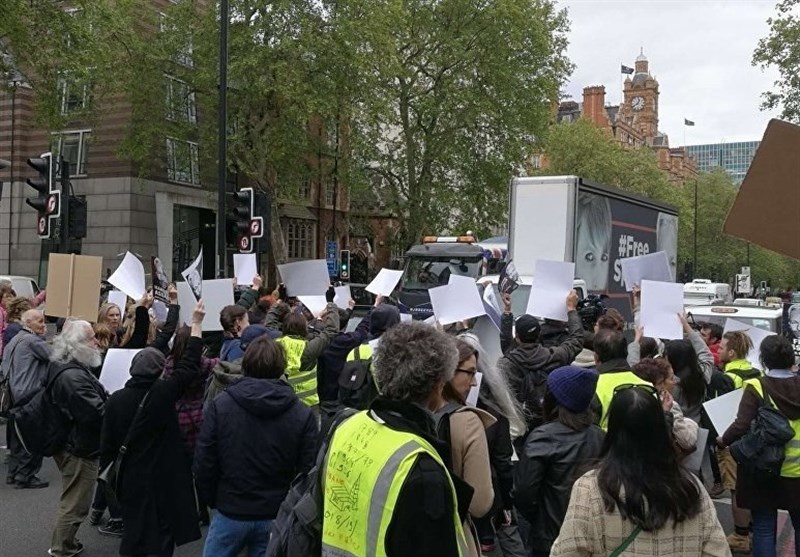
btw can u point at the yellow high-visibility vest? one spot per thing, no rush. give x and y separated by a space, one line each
791 460
740 365
303 382
364 471
606 383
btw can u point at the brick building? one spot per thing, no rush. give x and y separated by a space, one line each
171 213
634 123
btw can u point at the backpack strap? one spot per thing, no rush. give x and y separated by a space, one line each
628 541
358 352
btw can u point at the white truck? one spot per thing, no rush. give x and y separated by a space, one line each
566 218
703 291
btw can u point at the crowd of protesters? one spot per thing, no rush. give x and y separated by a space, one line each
574 442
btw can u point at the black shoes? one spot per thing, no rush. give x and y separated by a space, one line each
32 483
112 528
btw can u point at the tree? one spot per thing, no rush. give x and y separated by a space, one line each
781 49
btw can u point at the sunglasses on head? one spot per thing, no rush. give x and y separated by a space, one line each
646 388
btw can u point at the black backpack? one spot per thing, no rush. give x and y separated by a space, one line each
761 451
357 386
297 530
719 384
41 426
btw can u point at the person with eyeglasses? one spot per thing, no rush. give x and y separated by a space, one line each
639 500
464 428
611 358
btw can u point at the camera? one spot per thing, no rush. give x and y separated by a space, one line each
590 309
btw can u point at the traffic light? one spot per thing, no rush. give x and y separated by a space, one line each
76 225
344 269
48 202
248 225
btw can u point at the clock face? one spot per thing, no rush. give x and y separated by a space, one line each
637 103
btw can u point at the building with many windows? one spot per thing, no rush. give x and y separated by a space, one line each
734 158
172 212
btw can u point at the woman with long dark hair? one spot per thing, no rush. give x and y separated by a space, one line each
639 499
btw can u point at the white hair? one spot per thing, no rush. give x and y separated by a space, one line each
28 316
71 345
496 393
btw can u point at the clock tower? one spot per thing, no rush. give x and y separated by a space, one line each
640 103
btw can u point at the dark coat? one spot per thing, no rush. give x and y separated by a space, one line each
81 397
526 365
256 437
330 364
780 493
553 458
156 483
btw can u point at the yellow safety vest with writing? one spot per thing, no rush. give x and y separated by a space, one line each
364 471
303 382
791 460
606 383
740 365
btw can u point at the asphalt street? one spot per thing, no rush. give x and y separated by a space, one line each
27 516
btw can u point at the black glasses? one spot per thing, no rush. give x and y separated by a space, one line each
645 387
467 371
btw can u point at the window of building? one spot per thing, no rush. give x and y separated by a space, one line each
536 161
74 96
330 192
181 105
74 147
304 190
300 236
182 161
185 56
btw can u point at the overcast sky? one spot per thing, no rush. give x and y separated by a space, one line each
699 51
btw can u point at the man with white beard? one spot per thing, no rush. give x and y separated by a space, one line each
81 398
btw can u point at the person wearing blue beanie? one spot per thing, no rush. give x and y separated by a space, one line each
555 453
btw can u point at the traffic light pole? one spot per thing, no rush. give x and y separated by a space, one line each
63 240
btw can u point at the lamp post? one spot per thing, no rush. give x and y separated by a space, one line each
222 136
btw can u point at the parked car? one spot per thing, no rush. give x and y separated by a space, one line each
23 286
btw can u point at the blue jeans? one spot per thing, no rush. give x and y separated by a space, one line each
765 525
227 537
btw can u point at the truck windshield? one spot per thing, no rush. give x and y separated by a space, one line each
422 273
757 322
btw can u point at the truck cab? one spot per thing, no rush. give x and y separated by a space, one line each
431 263
757 313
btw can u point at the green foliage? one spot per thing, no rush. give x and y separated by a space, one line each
583 149
781 49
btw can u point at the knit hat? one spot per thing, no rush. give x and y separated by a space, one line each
573 387
383 318
252 332
148 363
528 328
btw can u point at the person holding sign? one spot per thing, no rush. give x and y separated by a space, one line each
764 497
526 363
156 491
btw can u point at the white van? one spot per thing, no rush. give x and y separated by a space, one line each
23 286
703 291
756 313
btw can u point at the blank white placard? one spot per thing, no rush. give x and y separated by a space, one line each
129 277
653 266
118 298
385 283
244 268
305 278
723 409
117 368
342 297
661 304
216 295
315 304
456 301
552 284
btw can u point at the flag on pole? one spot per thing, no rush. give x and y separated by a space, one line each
625 69
687 122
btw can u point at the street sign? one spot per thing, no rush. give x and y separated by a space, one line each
331 248
743 284
746 271
245 244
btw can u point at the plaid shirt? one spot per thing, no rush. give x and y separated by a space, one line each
190 405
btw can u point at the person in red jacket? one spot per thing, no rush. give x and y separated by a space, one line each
712 335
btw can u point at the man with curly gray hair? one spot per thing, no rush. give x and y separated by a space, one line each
389 457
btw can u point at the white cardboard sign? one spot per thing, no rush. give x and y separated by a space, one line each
118 298
456 301
244 268
315 304
661 304
552 282
342 297
723 409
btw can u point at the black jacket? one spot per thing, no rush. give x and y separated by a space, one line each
526 365
81 397
256 437
422 523
156 484
330 364
553 458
